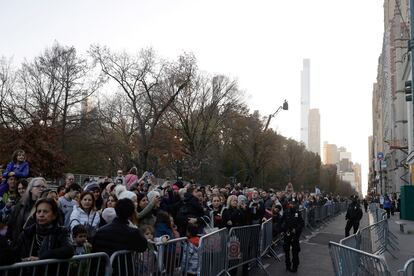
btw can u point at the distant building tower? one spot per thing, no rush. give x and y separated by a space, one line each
330 154
358 183
305 101
314 130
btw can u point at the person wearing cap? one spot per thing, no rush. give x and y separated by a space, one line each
292 225
353 216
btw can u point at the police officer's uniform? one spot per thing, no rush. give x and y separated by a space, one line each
292 225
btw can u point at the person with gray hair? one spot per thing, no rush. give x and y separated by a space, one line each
24 207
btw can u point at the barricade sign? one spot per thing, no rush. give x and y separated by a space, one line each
244 246
234 248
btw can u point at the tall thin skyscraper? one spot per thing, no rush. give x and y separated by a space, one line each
305 101
314 142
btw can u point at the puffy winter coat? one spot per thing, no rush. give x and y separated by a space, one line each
79 216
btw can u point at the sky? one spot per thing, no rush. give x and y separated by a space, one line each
261 44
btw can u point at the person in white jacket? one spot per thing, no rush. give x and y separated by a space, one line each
85 214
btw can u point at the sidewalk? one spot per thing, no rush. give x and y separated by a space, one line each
405 245
314 256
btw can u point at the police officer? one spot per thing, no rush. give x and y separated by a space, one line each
292 224
353 216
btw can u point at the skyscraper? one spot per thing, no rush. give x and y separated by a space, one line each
305 101
330 154
314 131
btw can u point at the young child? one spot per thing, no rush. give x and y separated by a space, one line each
193 242
79 236
148 231
18 168
149 257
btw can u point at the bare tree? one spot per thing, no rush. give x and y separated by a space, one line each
7 86
198 114
150 85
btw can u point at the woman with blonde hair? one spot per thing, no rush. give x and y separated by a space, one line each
233 216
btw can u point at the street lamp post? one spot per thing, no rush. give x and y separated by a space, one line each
285 106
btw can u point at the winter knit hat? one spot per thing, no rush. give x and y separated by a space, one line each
151 195
121 192
108 214
242 199
91 186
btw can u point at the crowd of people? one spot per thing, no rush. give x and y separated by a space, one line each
128 212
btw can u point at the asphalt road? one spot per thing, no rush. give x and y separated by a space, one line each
314 256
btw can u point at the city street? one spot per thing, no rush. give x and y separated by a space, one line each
314 256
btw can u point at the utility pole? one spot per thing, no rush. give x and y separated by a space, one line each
380 164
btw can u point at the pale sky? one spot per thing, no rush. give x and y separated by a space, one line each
259 43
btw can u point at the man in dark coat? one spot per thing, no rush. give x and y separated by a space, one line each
353 216
119 235
189 211
292 225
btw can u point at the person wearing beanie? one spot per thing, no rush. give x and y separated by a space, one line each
122 193
242 199
118 235
147 209
151 195
109 214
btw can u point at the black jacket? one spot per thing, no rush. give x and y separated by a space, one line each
292 220
237 217
55 243
190 208
354 212
116 236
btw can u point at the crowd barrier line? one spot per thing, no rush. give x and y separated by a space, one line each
218 253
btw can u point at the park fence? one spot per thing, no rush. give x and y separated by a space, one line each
244 246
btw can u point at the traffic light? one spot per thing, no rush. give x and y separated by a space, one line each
408 91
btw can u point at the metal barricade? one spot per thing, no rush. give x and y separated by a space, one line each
266 240
304 213
212 255
168 258
88 264
408 269
350 261
244 247
323 212
127 262
172 257
353 241
376 238
311 216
